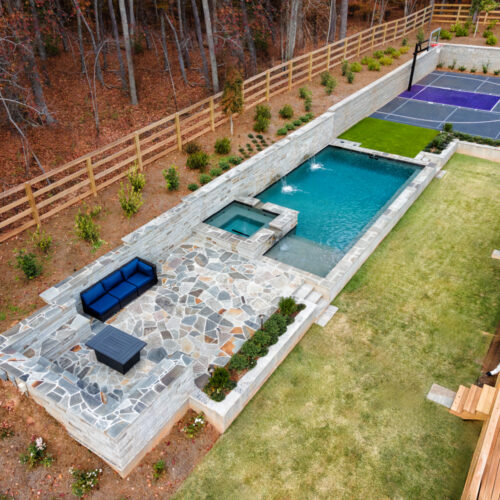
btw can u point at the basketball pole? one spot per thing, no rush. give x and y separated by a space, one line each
419 47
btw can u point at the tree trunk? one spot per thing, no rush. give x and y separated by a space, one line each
249 38
132 18
83 66
291 35
128 53
211 47
199 37
116 36
179 49
166 62
344 4
231 124
183 37
98 31
40 46
332 22
60 23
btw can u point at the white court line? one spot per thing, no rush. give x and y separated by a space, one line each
446 119
438 121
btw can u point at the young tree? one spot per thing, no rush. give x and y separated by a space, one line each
232 95
481 6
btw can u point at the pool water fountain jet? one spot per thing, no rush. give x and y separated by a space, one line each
287 188
316 166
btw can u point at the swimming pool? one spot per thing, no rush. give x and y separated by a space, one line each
339 194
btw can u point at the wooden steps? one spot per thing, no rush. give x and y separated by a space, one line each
473 403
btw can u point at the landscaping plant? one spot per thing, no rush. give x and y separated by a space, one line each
195 426
445 35
491 40
5 430
420 35
192 147
86 228
218 384
198 160
84 481
42 240
344 68
36 454
232 95
286 112
171 177
222 146
137 179
215 172
262 118
28 263
356 67
350 77
204 179
329 82
158 469
130 200
192 186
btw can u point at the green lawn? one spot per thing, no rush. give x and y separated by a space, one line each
390 137
345 415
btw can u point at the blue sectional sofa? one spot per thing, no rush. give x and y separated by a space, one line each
113 292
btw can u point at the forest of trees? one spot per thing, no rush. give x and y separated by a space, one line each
105 38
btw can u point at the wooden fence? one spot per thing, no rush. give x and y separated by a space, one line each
459 13
29 204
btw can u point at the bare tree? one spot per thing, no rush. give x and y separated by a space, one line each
292 27
179 49
114 27
128 53
249 38
344 6
211 46
199 37
332 22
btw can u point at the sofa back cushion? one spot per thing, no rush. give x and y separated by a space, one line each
112 280
130 268
93 294
145 269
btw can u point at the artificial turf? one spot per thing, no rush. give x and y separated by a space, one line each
345 415
390 137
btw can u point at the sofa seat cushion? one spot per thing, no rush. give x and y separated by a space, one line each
104 304
112 280
139 279
130 268
123 291
93 294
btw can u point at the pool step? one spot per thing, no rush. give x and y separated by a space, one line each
314 297
303 291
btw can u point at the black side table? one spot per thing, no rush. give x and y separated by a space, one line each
116 349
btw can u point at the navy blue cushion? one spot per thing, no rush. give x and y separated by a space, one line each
130 268
139 279
104 304
145 269
92 294
112 280
123 290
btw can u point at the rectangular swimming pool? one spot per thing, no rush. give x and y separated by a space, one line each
339 194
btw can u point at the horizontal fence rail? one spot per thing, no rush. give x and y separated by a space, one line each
29 204
459 13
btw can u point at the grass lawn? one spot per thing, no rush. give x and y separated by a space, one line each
345 415
390 137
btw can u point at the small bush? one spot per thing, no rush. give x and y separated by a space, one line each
158 469
462 68
356 67
261 124
36 454
487 33
262 110
222 146
262 338
276 324
445 35
378 54
198 160
308 103
192 186
492 24
390 51
404 50
461 30
218 384
297 123
84 481
420 35
224 164
234 160
287 306
195 426
282 131
448 127
304 119
473 70
345 67
192 147
491 40
304 92
309 116
286 112
251 349
496 72
486 67
329 82
260 137
86 228
250 136
385 61
439 65
171 177
350 77
374 65
215 172
137 179
404 43
204 179
42 240
130 200
452 65
239 362
366 60
28 263
290 126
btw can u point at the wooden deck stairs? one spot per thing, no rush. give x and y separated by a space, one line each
473 403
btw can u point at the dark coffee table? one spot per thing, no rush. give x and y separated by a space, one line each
116 349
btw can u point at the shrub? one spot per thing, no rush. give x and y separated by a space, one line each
130 200
385 61
290 126
250 136
282 131
239 362
84 481
492 24
192 147
28 263
304 119
345 67
491 40
462 68
224 163
192 186
195 426
218 384
234 160
366 60
452 65
286 111
137 179
304 92
260 137
262 338
396 54
378 54
251 349
487 33
420 35
496 72
486 67
287 306
297 123
262 110
356 67
390 51
215 172
374 66
222 146
36 454
309 116
404 49
42 240
158 469
198 160
86 228
445 35
308 103
328 81
461 30
204 179
261 124
439 65
473 70
404 43
276 324
171 177
350 77
448 127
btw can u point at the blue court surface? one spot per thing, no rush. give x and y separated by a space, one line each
470 102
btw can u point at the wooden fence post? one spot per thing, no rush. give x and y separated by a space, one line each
178 129
290 72
359 44
310 66
396 29
345 48
385 32
90 171
138 150
212 117
458 14
404 28
268 79
328 56
31 199
373 36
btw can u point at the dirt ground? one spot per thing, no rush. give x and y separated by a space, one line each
27 419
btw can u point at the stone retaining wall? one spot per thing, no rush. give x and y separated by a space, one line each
470 56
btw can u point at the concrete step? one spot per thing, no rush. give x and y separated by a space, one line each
314 297
303 291
326 316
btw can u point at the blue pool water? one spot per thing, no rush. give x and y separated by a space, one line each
338 194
